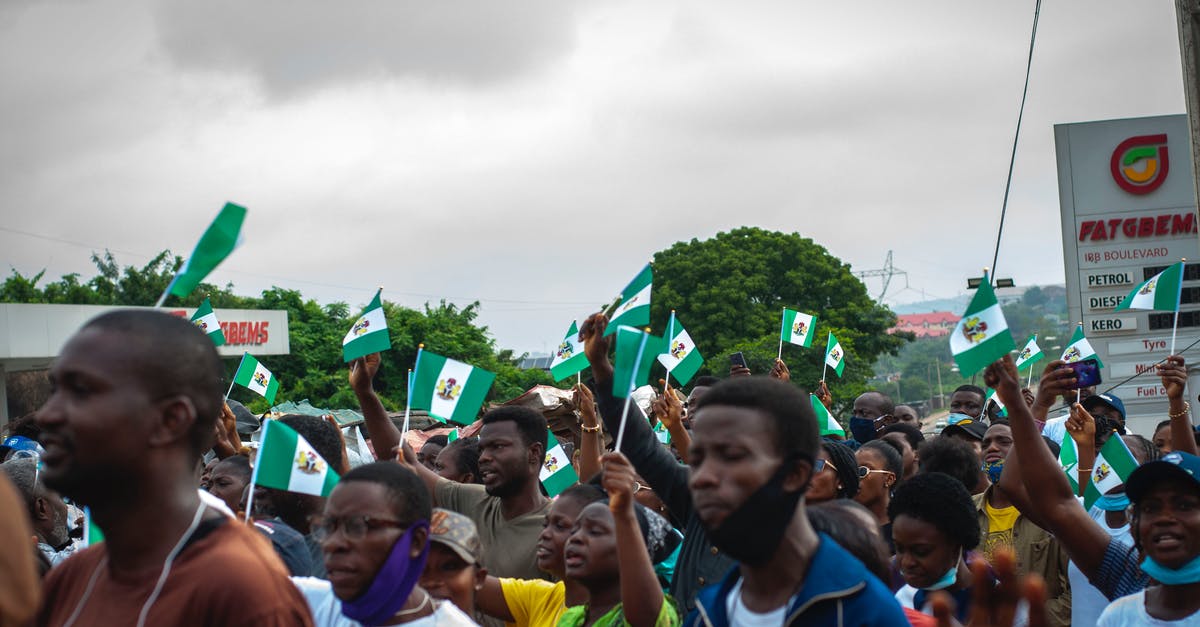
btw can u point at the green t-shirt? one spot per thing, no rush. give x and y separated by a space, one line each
575 616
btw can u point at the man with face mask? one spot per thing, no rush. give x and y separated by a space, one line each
872 412
753 448
1002 525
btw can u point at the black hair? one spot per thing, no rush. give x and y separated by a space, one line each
912 433
322 436
585 493
888 405
1105 428
438 440
967 387
1150 453
1054 447
999 421
531 424
173 357
705 381
466 456
838 520
238 464
891 457
942 501
847 467
1165 423
26 426
952 457
784 405
408 495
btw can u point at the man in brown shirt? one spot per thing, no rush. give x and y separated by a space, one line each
136 394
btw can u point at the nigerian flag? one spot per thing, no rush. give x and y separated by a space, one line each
1030 354
568 357
681 359
636 351
835 356
797 327
1114 464
91 533
207 321
1161 292
1068 458
286 461
662 433
982 335
219 239
255 376
991 397
634 309
369 334
1080 348
557 473
449 389
825 420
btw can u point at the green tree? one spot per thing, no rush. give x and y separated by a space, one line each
730 291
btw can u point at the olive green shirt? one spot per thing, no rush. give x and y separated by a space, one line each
509 546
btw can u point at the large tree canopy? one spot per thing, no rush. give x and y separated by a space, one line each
730 291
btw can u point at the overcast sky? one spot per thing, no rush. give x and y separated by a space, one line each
533 155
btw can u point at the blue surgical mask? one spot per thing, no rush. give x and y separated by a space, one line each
946 581
954 419
1186 574
1113 502
863 429
993 470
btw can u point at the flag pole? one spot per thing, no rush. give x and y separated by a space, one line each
1029 379
1178 298
670 339
254 475
166 292
234 380
637 363
782 317
825 365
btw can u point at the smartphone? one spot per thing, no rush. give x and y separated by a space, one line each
1087 373
738 359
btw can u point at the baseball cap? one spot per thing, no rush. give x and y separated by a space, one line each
1172 465
247 423
456 532
1092 401
964 424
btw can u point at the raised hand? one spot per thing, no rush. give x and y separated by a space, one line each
362 372
1174 376
668 408
780 371
619 479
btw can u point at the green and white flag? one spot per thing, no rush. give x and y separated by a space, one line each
569 358
636 351
286 461
797 328
449 389
369 334
91 533
219 239
825 420
835 355
207 321
1068 458
452 436
255 376
1080 348
662 433
634 309
991 397
681 359
557 473
1114 464
1030 354
1161 292
981 336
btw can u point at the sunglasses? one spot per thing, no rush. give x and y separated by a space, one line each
821 464
863 471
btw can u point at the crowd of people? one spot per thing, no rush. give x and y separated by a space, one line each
746 517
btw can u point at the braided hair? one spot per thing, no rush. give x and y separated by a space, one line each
843 460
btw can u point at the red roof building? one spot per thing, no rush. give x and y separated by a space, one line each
935 324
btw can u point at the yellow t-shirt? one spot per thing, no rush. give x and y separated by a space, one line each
534 602
1000 527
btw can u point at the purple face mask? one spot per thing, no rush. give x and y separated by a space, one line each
393 583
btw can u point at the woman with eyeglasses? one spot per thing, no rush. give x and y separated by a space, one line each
835 474
878 467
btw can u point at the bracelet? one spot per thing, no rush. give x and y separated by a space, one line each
1186 408
587 429
1087 470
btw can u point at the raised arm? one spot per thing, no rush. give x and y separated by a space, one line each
1050 495
669 410
1174 379
591 438
407 456
490 600
384 435
641 596
649 457
1081 426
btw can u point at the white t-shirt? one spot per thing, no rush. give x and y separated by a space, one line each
1131 610
327 609
1087 602
1056 429
740 615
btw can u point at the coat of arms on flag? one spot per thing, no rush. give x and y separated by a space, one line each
360 327
260 378
448 389
679 350
564 351
1071 355
835 354
975 330
799 328
309 463
1101 472
1025 354
551 463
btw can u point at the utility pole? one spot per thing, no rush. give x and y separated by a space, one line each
1187 13
886 273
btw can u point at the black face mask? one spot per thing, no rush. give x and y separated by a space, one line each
752 532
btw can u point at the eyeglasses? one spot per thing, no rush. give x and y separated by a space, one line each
353 527
863 471
820 465
638 487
